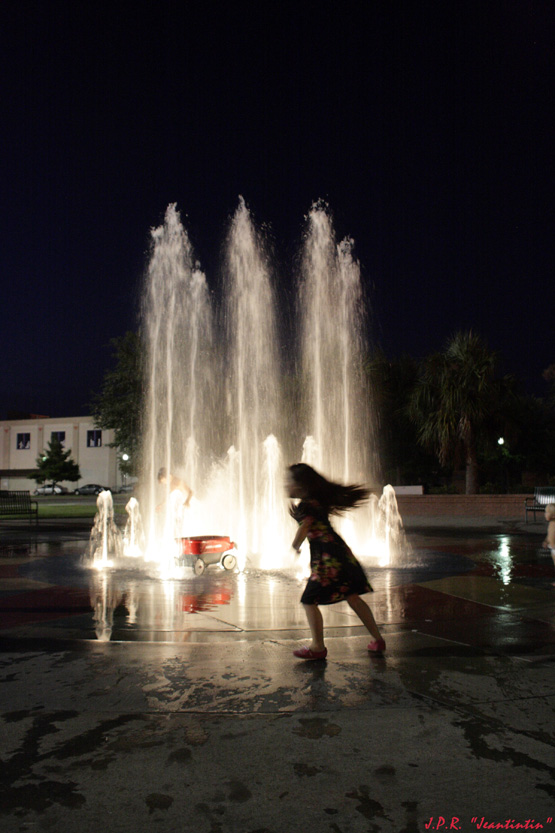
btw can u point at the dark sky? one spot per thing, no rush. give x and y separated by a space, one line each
426 126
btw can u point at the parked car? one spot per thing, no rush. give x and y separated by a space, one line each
128 487
89 489
51 489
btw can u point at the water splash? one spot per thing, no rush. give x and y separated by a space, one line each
253 374
219 411
133 535
105 541
332 323
180 362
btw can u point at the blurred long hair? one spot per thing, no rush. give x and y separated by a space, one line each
335 498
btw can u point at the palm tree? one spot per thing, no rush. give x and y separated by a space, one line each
455 395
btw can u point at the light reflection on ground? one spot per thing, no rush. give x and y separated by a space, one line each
49 582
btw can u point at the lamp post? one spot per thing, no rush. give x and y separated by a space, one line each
125 458
504 456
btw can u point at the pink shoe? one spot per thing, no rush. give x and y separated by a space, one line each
377 647
308 653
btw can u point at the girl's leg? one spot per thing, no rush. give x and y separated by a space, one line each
364 614
316 625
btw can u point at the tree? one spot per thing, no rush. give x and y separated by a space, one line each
119 404
456 394
55 464
392 382
530 434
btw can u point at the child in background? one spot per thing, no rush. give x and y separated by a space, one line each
175 484
550 540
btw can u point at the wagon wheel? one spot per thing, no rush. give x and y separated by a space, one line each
199 567
229 561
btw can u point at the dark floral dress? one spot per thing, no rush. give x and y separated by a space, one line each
334 571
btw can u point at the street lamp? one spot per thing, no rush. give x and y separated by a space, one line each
125 458
504 461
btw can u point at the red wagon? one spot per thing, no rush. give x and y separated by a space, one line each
199 551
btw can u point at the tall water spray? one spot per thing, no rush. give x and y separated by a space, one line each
333 327
177 333
218 410
331 314
253 377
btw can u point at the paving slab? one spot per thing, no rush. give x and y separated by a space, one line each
133 703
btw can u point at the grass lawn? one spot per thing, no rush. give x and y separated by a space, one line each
72 510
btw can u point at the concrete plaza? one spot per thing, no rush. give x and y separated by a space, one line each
130 703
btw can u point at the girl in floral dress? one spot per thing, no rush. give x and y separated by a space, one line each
335 574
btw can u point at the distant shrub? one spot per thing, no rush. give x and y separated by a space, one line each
489 489
443 490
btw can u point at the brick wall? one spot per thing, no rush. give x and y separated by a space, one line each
494 506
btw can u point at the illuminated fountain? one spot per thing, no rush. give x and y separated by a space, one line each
105 541
180 375
253 374
332 319
225 414
332 323
133 535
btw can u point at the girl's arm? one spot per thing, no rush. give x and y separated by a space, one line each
302 532
550 540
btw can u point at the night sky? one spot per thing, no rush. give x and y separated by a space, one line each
426 126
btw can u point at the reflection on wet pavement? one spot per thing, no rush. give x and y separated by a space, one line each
122 691
468 588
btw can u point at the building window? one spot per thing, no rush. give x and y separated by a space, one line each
59 435
24 441
94 439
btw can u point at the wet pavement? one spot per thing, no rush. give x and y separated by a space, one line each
135 703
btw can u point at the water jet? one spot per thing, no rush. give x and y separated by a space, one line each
221 409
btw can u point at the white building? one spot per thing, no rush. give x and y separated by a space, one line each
23 440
